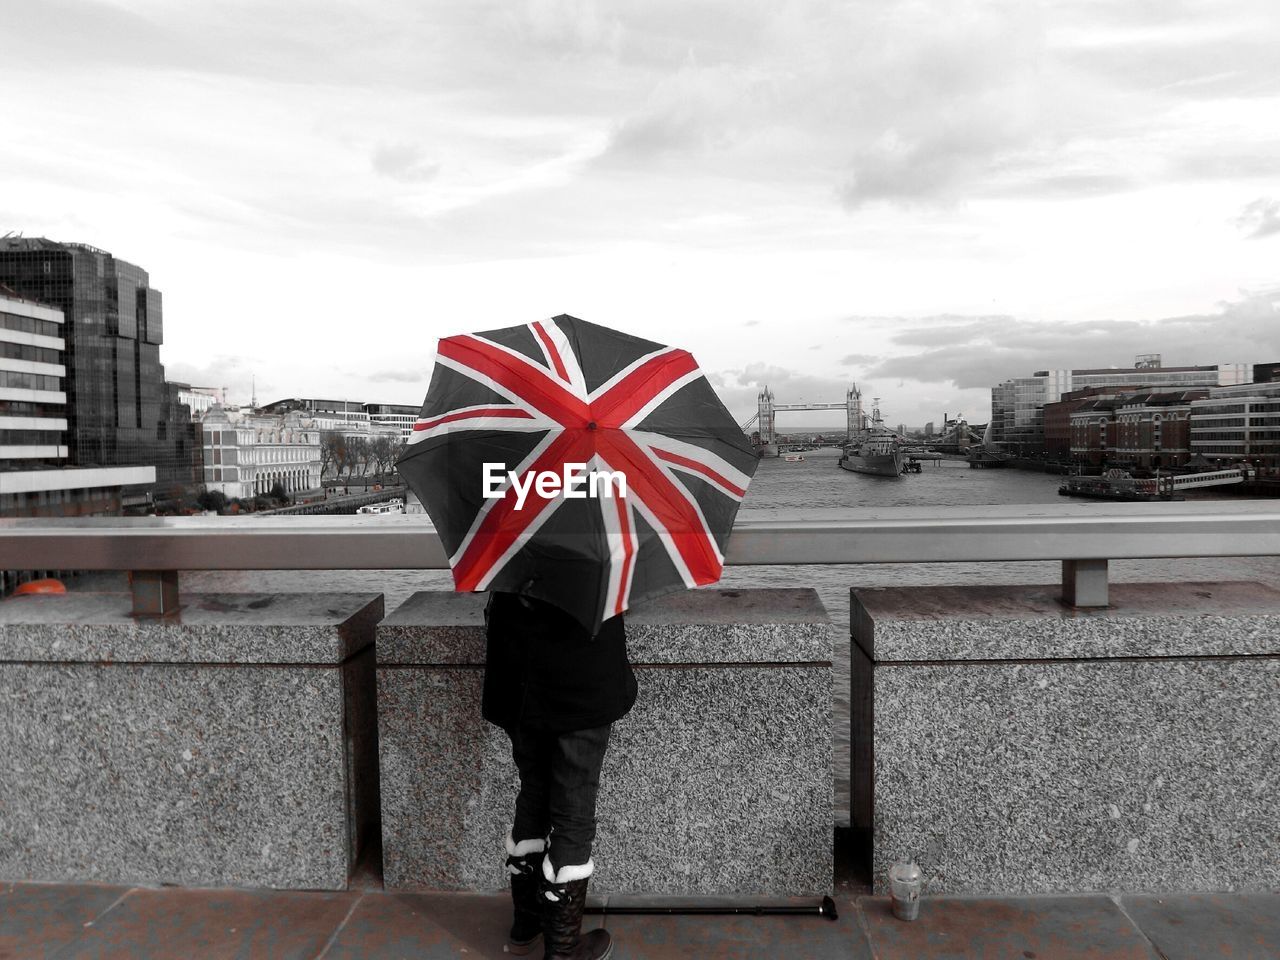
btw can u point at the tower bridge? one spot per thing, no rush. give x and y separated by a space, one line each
767 410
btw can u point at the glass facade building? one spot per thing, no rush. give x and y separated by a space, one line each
1017 405
36 478
1239 423
119 410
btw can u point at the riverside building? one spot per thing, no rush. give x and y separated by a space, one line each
1153 430
118 410
344 415
36 478
1239 423
351 418
1018 405
248 454
400 415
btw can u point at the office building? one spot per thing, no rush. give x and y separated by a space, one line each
401 415
1239 423
118 409
351 418
36 475
344 415
199 400
1018 405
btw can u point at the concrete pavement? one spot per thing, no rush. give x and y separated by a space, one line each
94 922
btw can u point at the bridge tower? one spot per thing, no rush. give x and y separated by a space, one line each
855 419
764 399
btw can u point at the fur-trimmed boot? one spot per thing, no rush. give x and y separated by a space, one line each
563 899
524 866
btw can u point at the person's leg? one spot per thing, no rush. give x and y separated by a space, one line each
533 753
575 783
526 842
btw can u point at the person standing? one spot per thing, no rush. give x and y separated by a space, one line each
556 690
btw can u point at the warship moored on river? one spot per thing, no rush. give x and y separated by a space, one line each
876 450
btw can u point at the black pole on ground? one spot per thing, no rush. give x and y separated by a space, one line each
827 908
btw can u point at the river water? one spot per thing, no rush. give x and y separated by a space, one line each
817 482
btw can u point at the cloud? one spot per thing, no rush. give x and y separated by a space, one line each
738 388
239 376
583 122
983 351
404 162
859 359
419 376
1261 218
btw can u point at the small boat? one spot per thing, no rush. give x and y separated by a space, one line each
793 458
1119 485
394 505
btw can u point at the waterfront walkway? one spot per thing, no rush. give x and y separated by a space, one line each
91 922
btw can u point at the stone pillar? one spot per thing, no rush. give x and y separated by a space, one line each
1015 745
719 781
231 745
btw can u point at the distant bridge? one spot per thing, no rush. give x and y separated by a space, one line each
767 409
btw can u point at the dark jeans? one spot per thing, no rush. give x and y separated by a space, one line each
559 779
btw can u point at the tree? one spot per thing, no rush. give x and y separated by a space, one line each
357 455
383 451
212 500
333 451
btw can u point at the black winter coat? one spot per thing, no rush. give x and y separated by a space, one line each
544 671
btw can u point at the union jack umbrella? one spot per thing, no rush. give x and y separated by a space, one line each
578 465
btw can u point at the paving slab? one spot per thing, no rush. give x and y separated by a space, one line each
36 919
428 926
1025 928
1193 926
736 937
182 924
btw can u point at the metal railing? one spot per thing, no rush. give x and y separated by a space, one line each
1083 536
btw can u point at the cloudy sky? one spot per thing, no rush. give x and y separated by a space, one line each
922 197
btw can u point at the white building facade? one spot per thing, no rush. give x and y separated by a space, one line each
247 455
33 420
200 399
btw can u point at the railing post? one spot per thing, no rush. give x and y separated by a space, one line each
1084 583
155 592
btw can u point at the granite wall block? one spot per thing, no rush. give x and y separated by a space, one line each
718 781
251 761
1030 749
